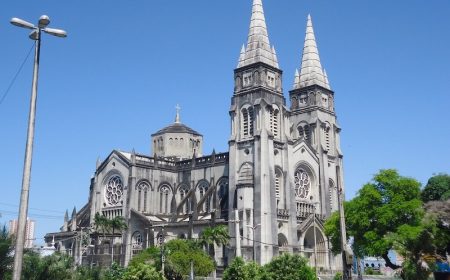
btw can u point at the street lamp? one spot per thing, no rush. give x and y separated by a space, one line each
315 239
254 227
23 208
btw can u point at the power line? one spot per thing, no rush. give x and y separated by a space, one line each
31 208
15 76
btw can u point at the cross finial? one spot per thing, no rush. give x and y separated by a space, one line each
177 116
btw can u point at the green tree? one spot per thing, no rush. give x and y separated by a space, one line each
115 272
380 207
6 249
236 270
414 242
437 188
142 272
101 224
33 266
178 253
217 235
90 273
288 267
441 211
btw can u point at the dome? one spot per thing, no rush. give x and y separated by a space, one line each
177 128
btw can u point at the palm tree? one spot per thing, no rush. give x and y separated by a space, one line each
214 235
101 224
117 223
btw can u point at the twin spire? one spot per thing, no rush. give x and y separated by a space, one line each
311 71
258 46
259 50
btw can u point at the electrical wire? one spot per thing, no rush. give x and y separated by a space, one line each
16 75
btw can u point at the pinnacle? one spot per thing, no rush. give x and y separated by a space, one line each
258 46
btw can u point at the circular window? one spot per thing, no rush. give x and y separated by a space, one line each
302 183
114 190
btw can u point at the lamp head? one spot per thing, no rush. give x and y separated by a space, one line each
22 23
44 21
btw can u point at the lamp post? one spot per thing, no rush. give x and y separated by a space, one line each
23 208
254 227
315 238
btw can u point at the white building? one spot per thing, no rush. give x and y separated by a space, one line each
282 172
29 231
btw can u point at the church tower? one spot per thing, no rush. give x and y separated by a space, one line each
259 118
314 123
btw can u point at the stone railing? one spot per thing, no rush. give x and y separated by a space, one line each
112 212
283 214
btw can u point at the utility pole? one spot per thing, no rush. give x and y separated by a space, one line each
315 239
24 196
346 269
236 232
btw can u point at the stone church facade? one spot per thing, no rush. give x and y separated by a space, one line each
281 177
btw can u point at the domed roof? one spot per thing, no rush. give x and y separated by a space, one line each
177 128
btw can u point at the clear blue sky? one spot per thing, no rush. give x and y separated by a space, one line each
126 64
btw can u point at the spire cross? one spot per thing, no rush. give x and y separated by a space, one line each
177 116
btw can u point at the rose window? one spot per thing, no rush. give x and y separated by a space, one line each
302 183
114 190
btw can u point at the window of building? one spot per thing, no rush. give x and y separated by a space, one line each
183 192
302 183
273 121
114 190
248 79
143 188
164 205
247 121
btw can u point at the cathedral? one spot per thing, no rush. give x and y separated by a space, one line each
278 182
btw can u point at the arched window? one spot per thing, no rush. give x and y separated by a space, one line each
136 242
143 188
304 132
302 183
223 196
247 121
327 136
332 190
273 121
164 203
279 188
202 189
114 190
183 190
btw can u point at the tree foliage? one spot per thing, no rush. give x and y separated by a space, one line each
179 254
284 267
381 207
142 272
6 249
437 188
288 267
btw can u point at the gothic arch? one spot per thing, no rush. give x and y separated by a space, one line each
143 187
282 240
204 205
222 194
142 182
113 188
247 120
165 198
279 187
305 181
245 173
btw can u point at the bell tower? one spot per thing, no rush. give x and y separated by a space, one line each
258 118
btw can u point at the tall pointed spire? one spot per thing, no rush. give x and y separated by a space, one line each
258 45
311 72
